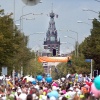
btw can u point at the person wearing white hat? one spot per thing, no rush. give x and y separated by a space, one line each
17 93
23 95
70 94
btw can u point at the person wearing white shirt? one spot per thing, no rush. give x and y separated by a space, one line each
23 95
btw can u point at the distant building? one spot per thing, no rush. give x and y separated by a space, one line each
51 42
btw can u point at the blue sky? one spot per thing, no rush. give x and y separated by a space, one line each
69 12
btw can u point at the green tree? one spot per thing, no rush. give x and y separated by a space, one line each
91 44
6 38
34 67
13 44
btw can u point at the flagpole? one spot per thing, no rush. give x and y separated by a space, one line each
91 68
14 34
50 70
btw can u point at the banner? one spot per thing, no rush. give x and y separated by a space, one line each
54 59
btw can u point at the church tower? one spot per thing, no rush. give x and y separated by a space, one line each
51 42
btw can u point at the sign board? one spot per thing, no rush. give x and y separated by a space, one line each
4 70
87 60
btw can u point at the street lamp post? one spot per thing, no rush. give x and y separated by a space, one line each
33 34
85 9
25 19
83 22
21 28
21 18
30 18
75 42
68 43
20 25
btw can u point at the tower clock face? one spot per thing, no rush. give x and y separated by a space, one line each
52 38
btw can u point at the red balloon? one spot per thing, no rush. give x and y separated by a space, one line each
89 85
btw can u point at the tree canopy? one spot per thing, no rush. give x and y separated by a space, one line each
13 45
91 45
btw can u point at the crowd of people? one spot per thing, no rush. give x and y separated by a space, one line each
72 87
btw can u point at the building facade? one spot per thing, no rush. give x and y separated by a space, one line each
51 42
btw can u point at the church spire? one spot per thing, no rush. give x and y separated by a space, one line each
51 35
52 7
